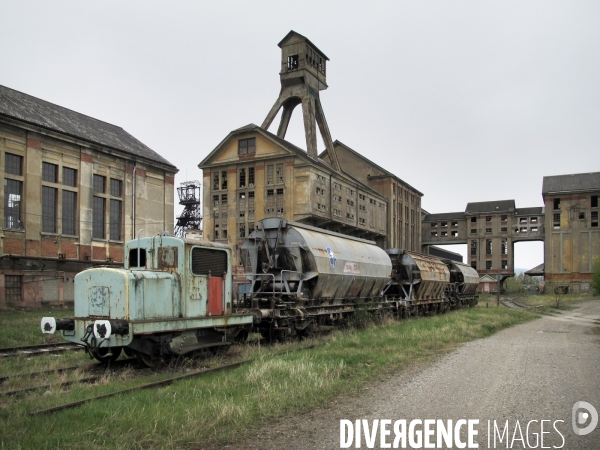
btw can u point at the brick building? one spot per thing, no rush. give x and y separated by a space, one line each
75 190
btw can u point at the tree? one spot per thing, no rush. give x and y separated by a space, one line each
596 276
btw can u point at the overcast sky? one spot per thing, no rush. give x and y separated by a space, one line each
465 100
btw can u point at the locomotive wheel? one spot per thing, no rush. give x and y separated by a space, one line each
146 360
102 354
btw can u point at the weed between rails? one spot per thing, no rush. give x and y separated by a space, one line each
221 408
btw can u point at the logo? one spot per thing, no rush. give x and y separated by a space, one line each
332 258
580 418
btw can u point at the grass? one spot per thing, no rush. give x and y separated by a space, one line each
543 303
221 408
20 326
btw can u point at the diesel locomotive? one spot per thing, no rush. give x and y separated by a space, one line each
175 296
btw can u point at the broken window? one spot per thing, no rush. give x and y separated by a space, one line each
534 228
434 233
224 200
242 177
216 181
594 216
279 173
533 219
503 217
594 201
292 62
473 248
454 224
242 230
444 233
488 265
488 246
270 178
247 146
557 203
454 233
474 264
473 230
488 230
556 221
504 229
488 218
251 176
215 200
504 264
504 247
522 219
224 179
581 215
523 230
473 219
444 224
434 225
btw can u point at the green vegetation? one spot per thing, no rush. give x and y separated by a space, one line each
21 326
219 408
596 276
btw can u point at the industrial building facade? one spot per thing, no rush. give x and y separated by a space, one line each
253 174
75 190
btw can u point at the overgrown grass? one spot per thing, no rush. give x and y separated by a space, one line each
220 408
20 326
542 303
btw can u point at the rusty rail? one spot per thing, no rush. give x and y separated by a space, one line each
43 349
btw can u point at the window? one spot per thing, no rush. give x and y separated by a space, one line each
242 230
49 205
116 188
504 229
454 224
215 201
223 179
533 219
13 288
247 146
488 218
242 178
533 229
361 220
488 246
444 224
488 265
13 164
279 173
49 172
69 177
251 176
115 219
337 186
444 233
581 216
474 264
69 209
12 203
523 230
270 176
556 220
350 202
522 219
504 264
557 203
594 201
98 217
473 248
488 230
594 216
216 181
473 219
454 233
434 234
503 217
99 183
504 247
399 191
292 63
473 230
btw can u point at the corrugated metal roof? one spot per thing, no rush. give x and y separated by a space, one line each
20 106
493 206
577 182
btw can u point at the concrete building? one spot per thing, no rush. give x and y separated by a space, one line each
490 230
572 233
253 173
404 201
75 190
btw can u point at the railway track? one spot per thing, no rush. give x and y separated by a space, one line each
42 349
157 384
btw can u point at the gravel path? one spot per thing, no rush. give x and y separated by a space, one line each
533 371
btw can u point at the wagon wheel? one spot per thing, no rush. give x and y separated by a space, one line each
107 355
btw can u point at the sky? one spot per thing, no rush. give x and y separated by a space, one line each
465 100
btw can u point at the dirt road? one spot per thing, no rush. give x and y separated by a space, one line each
532 372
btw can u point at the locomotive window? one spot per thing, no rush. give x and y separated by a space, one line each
133 262
206 260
